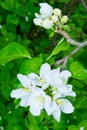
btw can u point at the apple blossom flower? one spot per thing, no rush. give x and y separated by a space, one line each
34 92
24 92
37 101
57 106
49 18
59 83
43 19
66 91
45 76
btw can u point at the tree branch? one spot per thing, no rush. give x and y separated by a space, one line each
68 38
84 4
72 42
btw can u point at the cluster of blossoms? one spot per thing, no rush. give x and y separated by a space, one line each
49 17
47 91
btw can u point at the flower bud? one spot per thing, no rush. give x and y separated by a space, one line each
54 18
47 24
57 12
64 19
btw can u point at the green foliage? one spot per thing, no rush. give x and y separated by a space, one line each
13 51
20 40
61 46
32 65
78 70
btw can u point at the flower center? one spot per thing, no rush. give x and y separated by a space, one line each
59 101
41 81
40 99
26 89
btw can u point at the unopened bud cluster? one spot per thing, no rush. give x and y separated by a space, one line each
49 17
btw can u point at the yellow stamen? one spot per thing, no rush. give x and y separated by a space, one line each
26 89
59 101
41 81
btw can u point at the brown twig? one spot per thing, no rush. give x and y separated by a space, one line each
72 42
84 4
68 38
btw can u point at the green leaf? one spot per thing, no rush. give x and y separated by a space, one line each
83 124
8 4
31 65
13 51
78 71
12 19
73 127
77 83
61 46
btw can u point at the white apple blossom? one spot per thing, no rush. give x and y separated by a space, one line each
59 81
46 91
44 79
24 92
49 18
37 101
59 104
65 91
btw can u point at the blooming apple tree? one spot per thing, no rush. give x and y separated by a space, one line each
34 92
43 64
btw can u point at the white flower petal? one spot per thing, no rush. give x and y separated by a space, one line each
57 114
37 15
18 93
47 23
37 21
46 10
66 106
35 110
48 105
65 75
36 101
35 79
70 91
45 86
25 81
24 102
45 72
